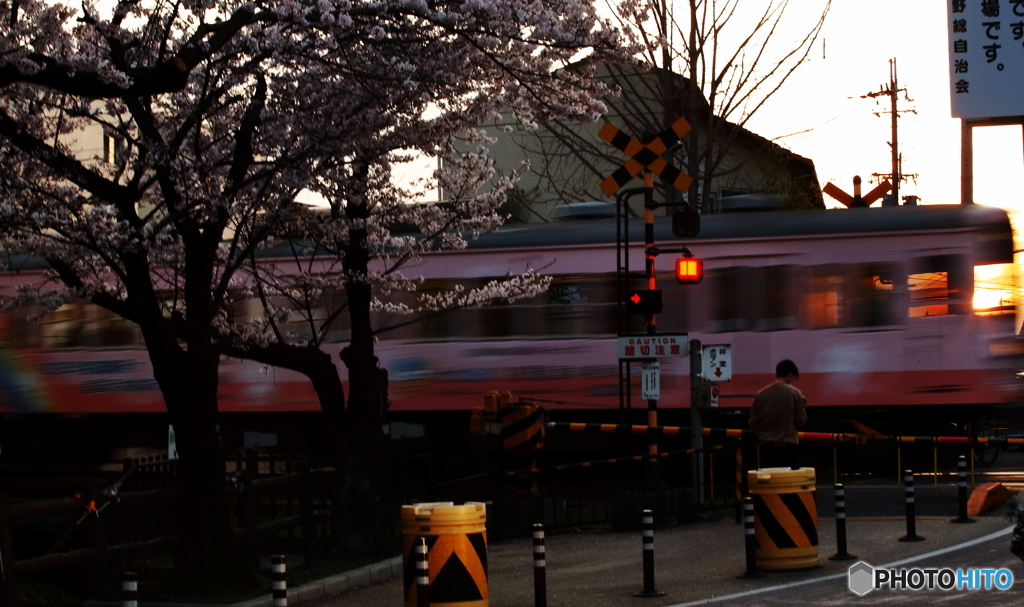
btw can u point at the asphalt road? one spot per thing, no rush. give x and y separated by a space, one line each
991 553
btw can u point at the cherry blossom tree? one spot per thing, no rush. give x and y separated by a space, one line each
216 115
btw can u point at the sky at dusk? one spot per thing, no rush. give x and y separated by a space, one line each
820 113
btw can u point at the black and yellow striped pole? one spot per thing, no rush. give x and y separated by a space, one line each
651 472
646 158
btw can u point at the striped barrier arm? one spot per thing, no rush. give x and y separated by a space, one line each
832 437
614 460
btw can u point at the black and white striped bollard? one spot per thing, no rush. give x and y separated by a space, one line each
961 471
422 573
278 583
908 483
750 540
540 582
129 589
648 545
841 553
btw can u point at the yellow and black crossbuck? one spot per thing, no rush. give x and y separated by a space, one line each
647 156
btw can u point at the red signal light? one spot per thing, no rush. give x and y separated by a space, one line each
689 270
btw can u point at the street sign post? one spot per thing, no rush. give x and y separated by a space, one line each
717 365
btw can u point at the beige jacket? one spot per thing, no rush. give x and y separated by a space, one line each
778 410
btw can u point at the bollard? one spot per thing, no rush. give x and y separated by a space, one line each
422 573
540 584
961 471
841 553
648 544
908 483
750 538
129 589
278 583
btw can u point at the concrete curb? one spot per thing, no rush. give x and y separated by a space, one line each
335 584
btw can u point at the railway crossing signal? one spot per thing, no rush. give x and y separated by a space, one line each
645 156
686 223
856 200
644 301
689 270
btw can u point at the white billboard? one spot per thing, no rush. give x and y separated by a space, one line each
986 58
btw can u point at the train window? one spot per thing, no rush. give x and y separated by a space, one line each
80 324
679 315
994 286
580 305
773 298
61 327
731 290
873 298
823 302
936 286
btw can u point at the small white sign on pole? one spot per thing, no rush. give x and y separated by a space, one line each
651 381
172 443
717 362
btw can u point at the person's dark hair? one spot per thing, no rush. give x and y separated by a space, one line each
786 367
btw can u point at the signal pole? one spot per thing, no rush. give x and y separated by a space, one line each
892 91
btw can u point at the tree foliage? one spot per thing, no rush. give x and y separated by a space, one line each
216 115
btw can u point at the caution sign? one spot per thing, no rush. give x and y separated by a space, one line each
645 156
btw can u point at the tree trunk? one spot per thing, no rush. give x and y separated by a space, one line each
368 516
188 381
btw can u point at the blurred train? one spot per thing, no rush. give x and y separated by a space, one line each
891 309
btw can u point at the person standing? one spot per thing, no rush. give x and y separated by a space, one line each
779 409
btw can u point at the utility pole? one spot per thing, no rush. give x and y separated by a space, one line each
892 92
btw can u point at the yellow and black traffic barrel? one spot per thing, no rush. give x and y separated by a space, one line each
456 552
785 518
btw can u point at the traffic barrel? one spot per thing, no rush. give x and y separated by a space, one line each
456 538
785 518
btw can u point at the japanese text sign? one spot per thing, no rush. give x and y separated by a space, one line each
641 347
986 57
717 362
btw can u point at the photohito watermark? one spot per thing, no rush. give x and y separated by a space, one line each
863 578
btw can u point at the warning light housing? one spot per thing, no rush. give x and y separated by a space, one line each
686 223
689 270
644 301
